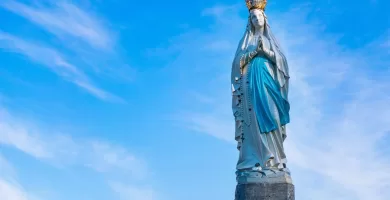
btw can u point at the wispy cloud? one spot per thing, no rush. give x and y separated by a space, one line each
11 192
83 44
212 123
64 150
10 188
64 19
6 169
129 192
220 11
110 158
340 118
56 62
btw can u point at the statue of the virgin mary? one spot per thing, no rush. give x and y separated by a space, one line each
260 105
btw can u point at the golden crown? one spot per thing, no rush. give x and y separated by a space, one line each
256 4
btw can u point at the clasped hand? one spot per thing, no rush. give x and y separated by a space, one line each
260 47
262 50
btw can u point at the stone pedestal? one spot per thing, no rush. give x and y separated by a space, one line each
264 185
265 191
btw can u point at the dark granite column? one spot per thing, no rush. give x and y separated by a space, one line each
265 191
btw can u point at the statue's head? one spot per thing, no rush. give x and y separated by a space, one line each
256 9
257 18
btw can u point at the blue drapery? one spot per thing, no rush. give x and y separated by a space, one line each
262 87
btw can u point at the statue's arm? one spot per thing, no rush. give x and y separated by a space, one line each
270 55
247 57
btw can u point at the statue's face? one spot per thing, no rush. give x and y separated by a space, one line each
257 18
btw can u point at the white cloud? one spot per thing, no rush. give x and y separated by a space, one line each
63 150
56 62
7 171
14 191
10 188
83 44
129 192
9 191
18 137
63 18
212 123
112 161
110 158
340 116
220 11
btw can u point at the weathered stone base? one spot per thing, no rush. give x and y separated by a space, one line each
265 191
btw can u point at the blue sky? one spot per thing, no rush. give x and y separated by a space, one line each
131 100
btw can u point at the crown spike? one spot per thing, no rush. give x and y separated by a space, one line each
256 4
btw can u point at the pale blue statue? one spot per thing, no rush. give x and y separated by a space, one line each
260 103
